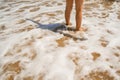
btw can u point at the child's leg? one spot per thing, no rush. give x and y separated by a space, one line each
79 4
69 5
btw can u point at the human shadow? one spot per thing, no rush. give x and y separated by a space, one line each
53 27
57 27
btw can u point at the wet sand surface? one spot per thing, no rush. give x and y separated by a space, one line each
31 53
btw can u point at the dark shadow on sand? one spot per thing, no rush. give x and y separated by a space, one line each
57 27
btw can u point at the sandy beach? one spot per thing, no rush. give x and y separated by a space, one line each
29 52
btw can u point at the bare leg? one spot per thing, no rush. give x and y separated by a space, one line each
79 4
69 5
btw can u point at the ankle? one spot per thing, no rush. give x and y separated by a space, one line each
68 24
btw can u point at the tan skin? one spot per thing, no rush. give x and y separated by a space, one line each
78 6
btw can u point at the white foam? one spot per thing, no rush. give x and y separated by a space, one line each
50 60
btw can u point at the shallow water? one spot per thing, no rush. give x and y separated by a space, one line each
31 53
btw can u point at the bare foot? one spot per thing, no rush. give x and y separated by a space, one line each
68 23
82 29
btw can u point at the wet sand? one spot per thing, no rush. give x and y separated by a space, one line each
31 53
